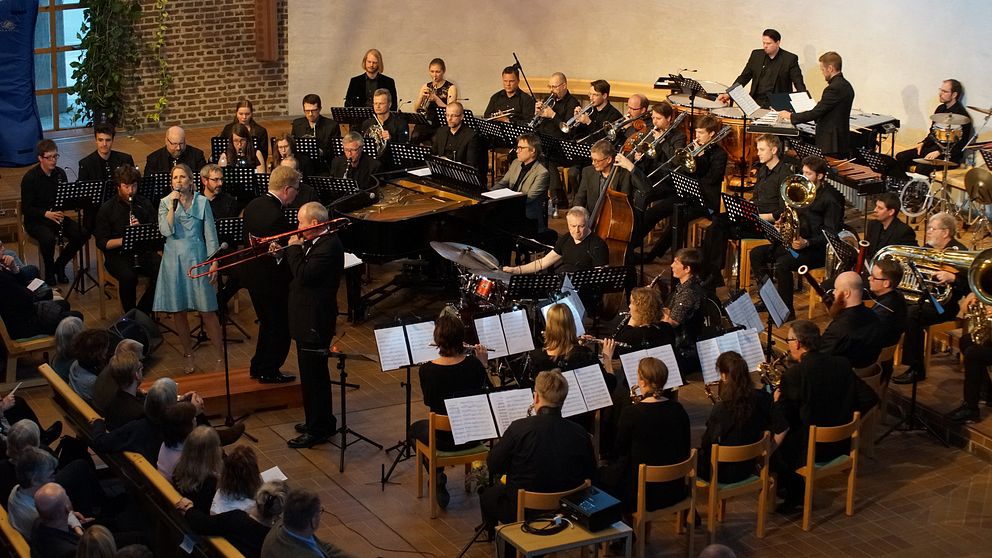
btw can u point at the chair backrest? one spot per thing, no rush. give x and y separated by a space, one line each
13 539
735 454
5 336
543 501
872 369
667 473
874 381
440 422
827 434
889 353
82 411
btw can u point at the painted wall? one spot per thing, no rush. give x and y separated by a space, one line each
892 50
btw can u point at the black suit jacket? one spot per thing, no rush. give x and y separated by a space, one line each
898 233
160 161
357 95
786 74
832 115
855 334
264 216
313 306
93 167
891 311
324 130
462 146
367 166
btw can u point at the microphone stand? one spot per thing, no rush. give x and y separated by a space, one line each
229 420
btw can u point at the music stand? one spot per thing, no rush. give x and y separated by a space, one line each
873 160
468 118
415 118
336 147
230 230
84 196
844 251
352 116
344 430
292 216
744 214
154 186
804 149
330 188
142 237
403 153
534 287
600 280
460 173
688 189
987 155
308 146
576 153
240 182
261 183
218 145
775 237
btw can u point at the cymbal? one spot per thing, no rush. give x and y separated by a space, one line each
935 163
987 112
949 119
978 183
466 256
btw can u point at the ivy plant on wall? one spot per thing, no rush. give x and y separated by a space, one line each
163 75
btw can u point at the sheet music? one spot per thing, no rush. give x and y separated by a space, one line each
743 313
801 101
729 342
743 100
470 418
425 171
491 335
391 343
751 347
509 406
570 301
516 329
273 474
574 403
593 386
629 362
501 193
774 303
666 354
708 350
351 260
35 284
421 336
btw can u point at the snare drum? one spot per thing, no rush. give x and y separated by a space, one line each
734 117
947 134
484 288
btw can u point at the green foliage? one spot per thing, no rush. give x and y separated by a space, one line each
110 53
164 75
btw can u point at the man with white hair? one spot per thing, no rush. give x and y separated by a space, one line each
855 332
35 468
174 152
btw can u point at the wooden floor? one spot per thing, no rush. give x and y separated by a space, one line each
915 498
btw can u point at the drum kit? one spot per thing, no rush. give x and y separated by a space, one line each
482 283
918 195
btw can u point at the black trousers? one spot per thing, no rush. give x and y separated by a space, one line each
272 342
315 380
121 266
783 264
918 318
977 359
47 236
658 205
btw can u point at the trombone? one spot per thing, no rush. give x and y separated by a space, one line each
611 128
259 247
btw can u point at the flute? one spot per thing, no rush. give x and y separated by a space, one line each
465 346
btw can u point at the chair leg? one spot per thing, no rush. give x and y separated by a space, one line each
11 369
420 475
432 488
711 514
927 348
762 511
639 537
723 510
808 501
852 480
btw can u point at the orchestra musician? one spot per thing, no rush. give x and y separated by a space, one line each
575 251
683 306
603 111
267 278
286 154
855 332
436 94
527 175
950 94
832 114
637 107
100 164
711 165
316 262
977 359
562 107
42 220
187 223
395 128
127 208
941 230
355 164
644 329
240 153
511 98
561 347
886 229
222 204
243 114
769 69
362 87
315 125
609 169
890 304
457 141
826 212
174 151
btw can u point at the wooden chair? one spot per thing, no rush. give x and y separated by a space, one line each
746 245
719 493
847 462
930 337
666 473
543 501
10 224
872 417
814 299
13 541
105 279
17 348
887 355
436 458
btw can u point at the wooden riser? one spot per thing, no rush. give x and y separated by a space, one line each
247 395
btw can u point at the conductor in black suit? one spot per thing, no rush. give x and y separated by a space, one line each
886 229
175 151
315 125
769 69
833 113
267 277
362 87
457 142
316 260
355 164
100 164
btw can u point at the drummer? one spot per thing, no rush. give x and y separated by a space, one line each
575 251
950 94
769 69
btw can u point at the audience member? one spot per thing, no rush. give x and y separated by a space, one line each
246 530
196 472
54 536
65 333
97 542
91 348
296 535
239 481
180 420
35 468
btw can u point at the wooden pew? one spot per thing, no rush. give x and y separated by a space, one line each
12 541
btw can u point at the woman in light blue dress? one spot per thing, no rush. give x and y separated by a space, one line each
186 222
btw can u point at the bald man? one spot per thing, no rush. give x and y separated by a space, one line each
52 535
173 152
855 332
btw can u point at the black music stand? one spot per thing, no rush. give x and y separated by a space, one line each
551 145
344 430
462 174
744 214
576 153
84 196
689 190
337 147
330 188
145 236
154 186
771 233
844 251
261 183
600 280
804 149
292 216
232 231
467 120
415 118
987 155
229 420
403 153
534 287
352 116
218 145
308 146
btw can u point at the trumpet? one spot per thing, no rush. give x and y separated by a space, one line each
259 247
501 114
651 147
548 103
566 127
686 157
426 103
611 128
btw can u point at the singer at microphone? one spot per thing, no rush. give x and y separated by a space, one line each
769 69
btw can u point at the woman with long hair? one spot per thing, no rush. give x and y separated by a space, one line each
199 467
240 152
246 530
244 114
433 95
561 347
239 481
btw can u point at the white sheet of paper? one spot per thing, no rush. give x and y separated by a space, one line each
593 386
666 354
743 313
729 342
629 362
774 303
516 330
391 343
574 403
470 418
491 335
801 101
501 193
421 336
509 406
580 330
708 350
751 348
35 284
351 260
425 171
743 100
273 474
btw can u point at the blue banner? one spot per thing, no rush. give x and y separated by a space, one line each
20 127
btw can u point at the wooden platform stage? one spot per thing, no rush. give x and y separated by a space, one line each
247 395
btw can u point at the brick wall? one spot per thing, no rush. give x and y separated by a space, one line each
211 53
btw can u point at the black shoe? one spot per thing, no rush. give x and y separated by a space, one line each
908 377
300 427
964 415
51 433
442 491
61 277
788 508
277 378
307 441
51 280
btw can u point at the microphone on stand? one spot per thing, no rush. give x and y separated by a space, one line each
223 246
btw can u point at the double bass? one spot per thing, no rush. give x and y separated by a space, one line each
613 219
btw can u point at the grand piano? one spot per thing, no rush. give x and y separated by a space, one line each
406 212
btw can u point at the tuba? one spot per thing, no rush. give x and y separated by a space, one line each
978 266
797 192
686 157
978 321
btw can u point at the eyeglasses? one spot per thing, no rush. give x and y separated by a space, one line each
54 157
217 179
870 277
553 86
788 339
524 147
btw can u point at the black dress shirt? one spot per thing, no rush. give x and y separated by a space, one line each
890 309
521 103
38 194
114 218
832 116
854 334
439 382
94 167
654 433
161 161
324 130
826 212
396 125
767 190
711 166
361 88
367 166
224 205
462 146
564 109
607 113
957 150
771 75
723 428
898 233
591 252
